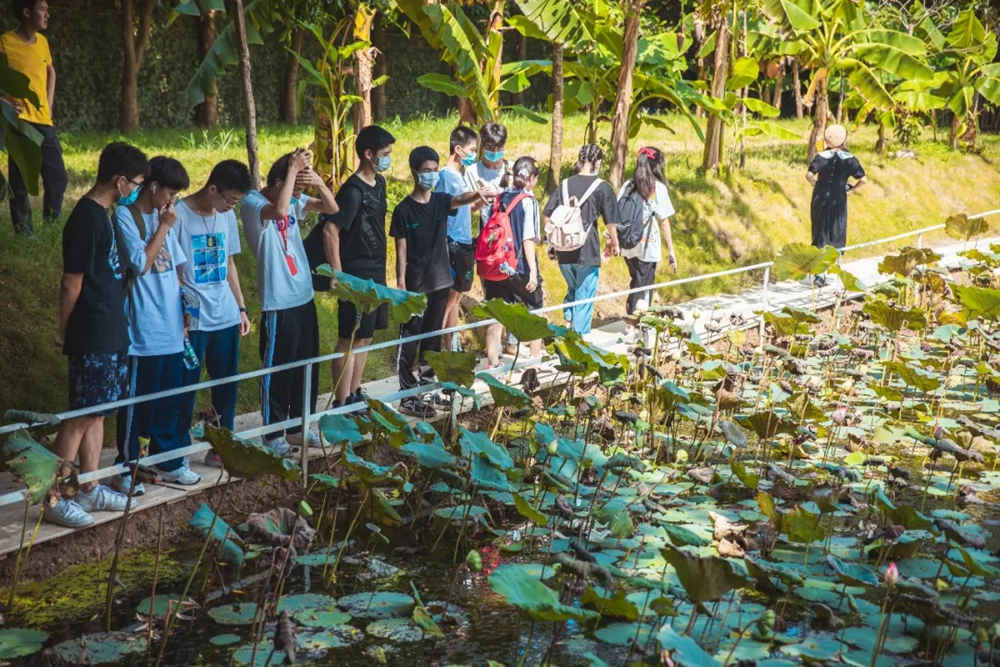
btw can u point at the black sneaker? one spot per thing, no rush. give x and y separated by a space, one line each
358 397
441 399
415 407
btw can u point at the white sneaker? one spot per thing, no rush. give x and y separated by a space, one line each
68 514
279 446
182 475
122 483
103 499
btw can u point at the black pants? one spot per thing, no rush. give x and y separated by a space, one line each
285 336
54 181
412 353
642 273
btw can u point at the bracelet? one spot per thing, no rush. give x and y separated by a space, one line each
243 309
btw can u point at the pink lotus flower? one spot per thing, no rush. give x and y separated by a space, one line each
839 416
891 575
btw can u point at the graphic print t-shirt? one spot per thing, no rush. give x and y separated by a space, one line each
208 242
424 226
156 319
97 324
283 278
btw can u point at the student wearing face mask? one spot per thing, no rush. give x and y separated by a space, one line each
420 227
272 223
156 321
492 168
352 240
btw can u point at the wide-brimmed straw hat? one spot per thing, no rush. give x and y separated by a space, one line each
835 136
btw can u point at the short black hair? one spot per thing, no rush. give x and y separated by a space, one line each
121 159
493 134
278 170
230 175
461 136
422 154
18 7
373 138
168 172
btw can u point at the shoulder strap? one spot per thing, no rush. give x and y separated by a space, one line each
140 222
565 192
521 196
586 195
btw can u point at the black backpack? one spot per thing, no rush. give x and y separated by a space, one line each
632 225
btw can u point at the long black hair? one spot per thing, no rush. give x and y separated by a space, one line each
589 153
648 170
525 168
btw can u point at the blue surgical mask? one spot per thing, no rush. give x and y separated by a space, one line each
469 160
131 199
383 163
493 156
426 180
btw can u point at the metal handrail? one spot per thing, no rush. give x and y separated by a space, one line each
307 418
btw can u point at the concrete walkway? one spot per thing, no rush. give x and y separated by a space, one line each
715 312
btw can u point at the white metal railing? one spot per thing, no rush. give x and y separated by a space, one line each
308 418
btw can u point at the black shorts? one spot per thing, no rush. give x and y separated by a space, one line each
96 379
512 290
348 318
463 264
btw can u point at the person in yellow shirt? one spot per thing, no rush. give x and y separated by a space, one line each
27 51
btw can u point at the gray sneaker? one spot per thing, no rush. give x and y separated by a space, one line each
122 483
279 446
104 499
182 475
69 514
212 460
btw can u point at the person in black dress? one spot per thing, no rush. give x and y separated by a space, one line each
829 172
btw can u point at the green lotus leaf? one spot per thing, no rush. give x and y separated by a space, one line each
382 510
960 226
980 301
20 642
747 478
616 606
516 318
402 630
894 318
224 639
907 260
294 604
913 377
850 281
30 463
477 443
803 526
377 604
525 509
234 613
158 608
249 459
797 260
684 537
853 574
522 589
383 419
504 395
457 367
816 648
367 295
623 634
430 455
368 473
683 649
264 654
229 550
732 432
705 578
338 429
101 648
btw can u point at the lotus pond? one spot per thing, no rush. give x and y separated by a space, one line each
825 494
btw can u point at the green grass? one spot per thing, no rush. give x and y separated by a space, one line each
739 218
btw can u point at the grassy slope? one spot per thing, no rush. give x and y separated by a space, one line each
720 223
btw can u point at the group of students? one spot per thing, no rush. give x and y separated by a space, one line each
151 294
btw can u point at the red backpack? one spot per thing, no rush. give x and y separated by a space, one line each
495 246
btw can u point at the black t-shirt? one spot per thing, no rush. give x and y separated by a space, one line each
97 324
361 220
425 228
601 203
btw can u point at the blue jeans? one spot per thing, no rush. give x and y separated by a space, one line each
581 283
157 419
219 354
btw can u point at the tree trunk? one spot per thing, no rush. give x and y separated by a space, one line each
363 61
821 107
290 97
250 107
880 143
381 67
779 86
797 83
135 42
207 112
555 147
714 131
623 101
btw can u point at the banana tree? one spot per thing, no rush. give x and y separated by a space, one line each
839 37
967 51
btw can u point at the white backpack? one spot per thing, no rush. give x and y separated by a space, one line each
565 230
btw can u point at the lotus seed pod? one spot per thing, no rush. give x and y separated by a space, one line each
474 560
552 447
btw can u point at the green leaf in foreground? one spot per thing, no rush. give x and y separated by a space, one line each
503 394
229 550
524 325
705 578
683 649
525 509
457 367
367 295
31 463
248 459
19 642
797 260
522 588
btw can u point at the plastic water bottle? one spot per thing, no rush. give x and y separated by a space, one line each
190 357
506 268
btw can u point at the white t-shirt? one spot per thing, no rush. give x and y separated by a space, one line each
480 172
276 254
660 206
155 316
208 243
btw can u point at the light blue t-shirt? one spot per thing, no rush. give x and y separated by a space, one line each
208 243
278 254
155 317
460 221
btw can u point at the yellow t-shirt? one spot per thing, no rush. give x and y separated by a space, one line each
33 61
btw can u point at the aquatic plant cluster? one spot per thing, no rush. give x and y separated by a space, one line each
826 493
